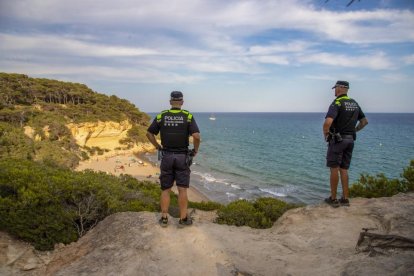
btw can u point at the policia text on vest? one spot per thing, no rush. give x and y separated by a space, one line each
174 128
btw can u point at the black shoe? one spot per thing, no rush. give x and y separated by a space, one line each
163 221
185 222
333 202
344 201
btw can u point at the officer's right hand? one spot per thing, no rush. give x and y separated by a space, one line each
193 152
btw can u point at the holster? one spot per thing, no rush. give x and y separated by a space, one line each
188 159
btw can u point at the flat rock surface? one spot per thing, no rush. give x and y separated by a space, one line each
314 240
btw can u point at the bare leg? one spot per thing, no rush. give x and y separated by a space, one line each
182 202
344 182
165 202
334 179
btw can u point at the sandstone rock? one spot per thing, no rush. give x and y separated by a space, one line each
105 135
314 240
29 131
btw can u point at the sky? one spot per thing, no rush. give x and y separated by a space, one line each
225 56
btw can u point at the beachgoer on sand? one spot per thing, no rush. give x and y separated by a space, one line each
175 126
339 130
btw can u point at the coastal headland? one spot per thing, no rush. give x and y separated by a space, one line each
313 240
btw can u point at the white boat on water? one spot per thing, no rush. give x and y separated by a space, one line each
212 117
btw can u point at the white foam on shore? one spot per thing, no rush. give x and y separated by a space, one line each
209 178
236 186
235 191
279 191
230 195
272 192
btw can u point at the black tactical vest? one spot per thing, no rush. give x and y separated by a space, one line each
347 117
174 129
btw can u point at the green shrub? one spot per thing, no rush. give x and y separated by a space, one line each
136 134
14 143
380 186
261 213
45 204
205 206
273 208
242 213
84 156
408 176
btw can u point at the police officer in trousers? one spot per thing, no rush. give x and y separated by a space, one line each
175 126
339 130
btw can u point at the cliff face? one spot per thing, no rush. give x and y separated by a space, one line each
314 240
105 135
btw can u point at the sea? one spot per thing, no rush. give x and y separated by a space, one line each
283 155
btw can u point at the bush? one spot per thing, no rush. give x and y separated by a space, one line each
408 176
241 213
205 206
136 134
371 186
273 208
261 213
45 204
380 186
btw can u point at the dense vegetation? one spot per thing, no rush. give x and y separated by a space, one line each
381 186
44 204
73 101
51 104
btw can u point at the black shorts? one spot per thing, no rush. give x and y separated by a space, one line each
174 168
340 154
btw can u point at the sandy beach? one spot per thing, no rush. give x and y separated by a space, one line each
129 163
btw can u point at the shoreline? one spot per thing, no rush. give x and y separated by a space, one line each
136 165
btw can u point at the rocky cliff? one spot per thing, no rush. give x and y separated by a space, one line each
314 240
105 135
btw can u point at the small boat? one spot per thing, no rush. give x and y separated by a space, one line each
212 117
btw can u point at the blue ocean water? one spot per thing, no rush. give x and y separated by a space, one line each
250 155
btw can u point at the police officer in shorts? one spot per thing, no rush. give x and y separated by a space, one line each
339 130
175 126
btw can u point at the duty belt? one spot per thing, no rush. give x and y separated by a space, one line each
173 152
346 136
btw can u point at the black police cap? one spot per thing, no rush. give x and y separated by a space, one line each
176 96
341 83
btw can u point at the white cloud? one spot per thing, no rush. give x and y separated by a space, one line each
68 46
185 40
47 47
132 75
293 46
394 78
281 60
224 17
408 59
376 61
332 77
